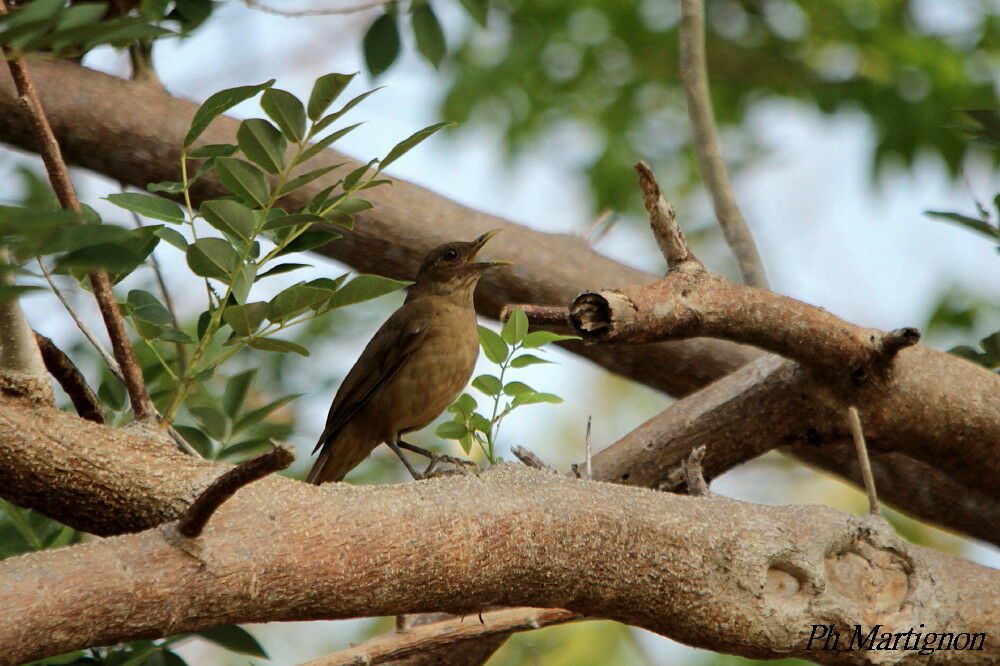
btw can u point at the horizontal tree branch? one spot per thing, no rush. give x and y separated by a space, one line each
714 573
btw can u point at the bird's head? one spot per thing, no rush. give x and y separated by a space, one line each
451 269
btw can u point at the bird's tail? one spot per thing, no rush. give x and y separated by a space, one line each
340 455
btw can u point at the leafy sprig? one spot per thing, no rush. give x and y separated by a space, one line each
469 426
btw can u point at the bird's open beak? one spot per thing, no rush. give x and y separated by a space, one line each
478 244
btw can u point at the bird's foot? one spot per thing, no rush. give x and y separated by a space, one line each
437 458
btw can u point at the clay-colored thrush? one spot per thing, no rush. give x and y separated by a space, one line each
414 366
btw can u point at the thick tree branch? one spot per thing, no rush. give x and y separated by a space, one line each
718 574
55 166
711 164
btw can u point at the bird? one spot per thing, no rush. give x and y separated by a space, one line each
415 365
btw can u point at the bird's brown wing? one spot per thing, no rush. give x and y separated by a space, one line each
399 336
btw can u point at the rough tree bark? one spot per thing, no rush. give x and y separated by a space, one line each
715 573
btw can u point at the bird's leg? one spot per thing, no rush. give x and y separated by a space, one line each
395 449
436 457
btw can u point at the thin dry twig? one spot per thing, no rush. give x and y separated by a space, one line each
694 475
663 220
540 315
588 453
420 639
332 11
531 459
55 166
694 79
866 467
61 366
196 517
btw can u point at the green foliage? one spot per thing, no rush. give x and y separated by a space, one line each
469 426
610 69
257 171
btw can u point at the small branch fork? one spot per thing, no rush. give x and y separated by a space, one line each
428 637
55 166
692 302
207 503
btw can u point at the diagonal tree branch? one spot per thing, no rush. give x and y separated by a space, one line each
711 164
48 147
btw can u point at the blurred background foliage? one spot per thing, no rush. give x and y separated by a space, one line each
601 76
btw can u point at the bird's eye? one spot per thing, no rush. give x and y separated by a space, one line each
451 255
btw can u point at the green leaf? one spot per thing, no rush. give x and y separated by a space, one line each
430 36
173 237
326 121
219 103
213 150
276 345
295 220
234 639
465 404
282 268
515 389
39 10
286 111
259 414
146 307
295 300
212 258
156 208
263 143
246 449
351 179
326 89
326 141
305 179
243 281
381 44
245 319
525 360
9 292
242 179
533 398
112 258
212 420
171 334
167 187
541 338
229 217
493 345
477 10
236 391
487 384
515 328
79 236
973 223
364 288
196 438
112 393
408 143
309 240
451 430
479 422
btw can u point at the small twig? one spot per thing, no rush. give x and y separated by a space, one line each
540 315
293 13
893 341
694 79
862 450
531 459
58 174
693 473
600 226
420 640
588 466
70 378
663 220
197 515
